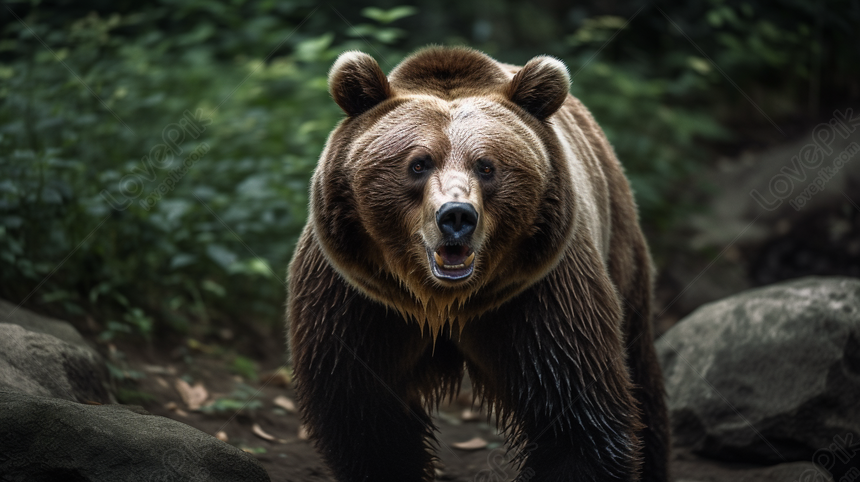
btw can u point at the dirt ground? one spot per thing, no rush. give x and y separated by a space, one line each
291 457
234 405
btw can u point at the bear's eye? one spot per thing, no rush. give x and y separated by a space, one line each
419 166
485 169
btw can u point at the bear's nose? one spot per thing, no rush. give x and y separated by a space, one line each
456 220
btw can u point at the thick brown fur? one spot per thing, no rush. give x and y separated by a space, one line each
553 325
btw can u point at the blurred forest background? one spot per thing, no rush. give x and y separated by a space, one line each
101 102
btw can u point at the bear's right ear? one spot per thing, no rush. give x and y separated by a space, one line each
356 83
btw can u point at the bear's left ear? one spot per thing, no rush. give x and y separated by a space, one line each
356 83
540 87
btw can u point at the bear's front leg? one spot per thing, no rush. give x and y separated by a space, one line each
353 376
551 363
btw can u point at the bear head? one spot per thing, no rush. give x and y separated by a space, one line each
445 191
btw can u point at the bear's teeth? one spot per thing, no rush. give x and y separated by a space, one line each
441 262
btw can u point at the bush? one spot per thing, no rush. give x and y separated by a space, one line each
165 172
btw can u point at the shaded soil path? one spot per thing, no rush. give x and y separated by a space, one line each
293 458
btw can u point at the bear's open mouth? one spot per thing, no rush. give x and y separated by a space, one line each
452 263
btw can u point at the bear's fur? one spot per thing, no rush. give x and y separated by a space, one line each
543 293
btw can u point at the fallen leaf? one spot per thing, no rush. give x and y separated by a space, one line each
222 436
281 377
162 382
258 431
192 396
476 443
470 415
285 403
202 347
303 433
174 407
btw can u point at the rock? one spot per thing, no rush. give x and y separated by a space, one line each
48 439
46 357
743 190
10 313
766 238
687 467
770 375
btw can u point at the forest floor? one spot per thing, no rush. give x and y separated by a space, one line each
258 417
237 404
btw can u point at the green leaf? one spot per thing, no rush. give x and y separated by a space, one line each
221 255
383 35
714 18
99 290
214 288
244 367
254 267
118 373
699 64
134 397
12 222
58 295
181 260
312 49
388 16
138 319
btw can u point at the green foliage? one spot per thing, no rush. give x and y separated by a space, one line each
154 157
388 16
244 367
90 200
381 32
243 398
123 374
596 30
128 396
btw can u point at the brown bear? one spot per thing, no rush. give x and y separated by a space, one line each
471 215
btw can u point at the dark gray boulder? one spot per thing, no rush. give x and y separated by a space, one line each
770 375
687 467
10 313
47 439
47 357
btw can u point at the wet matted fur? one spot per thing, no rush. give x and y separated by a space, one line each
548 308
